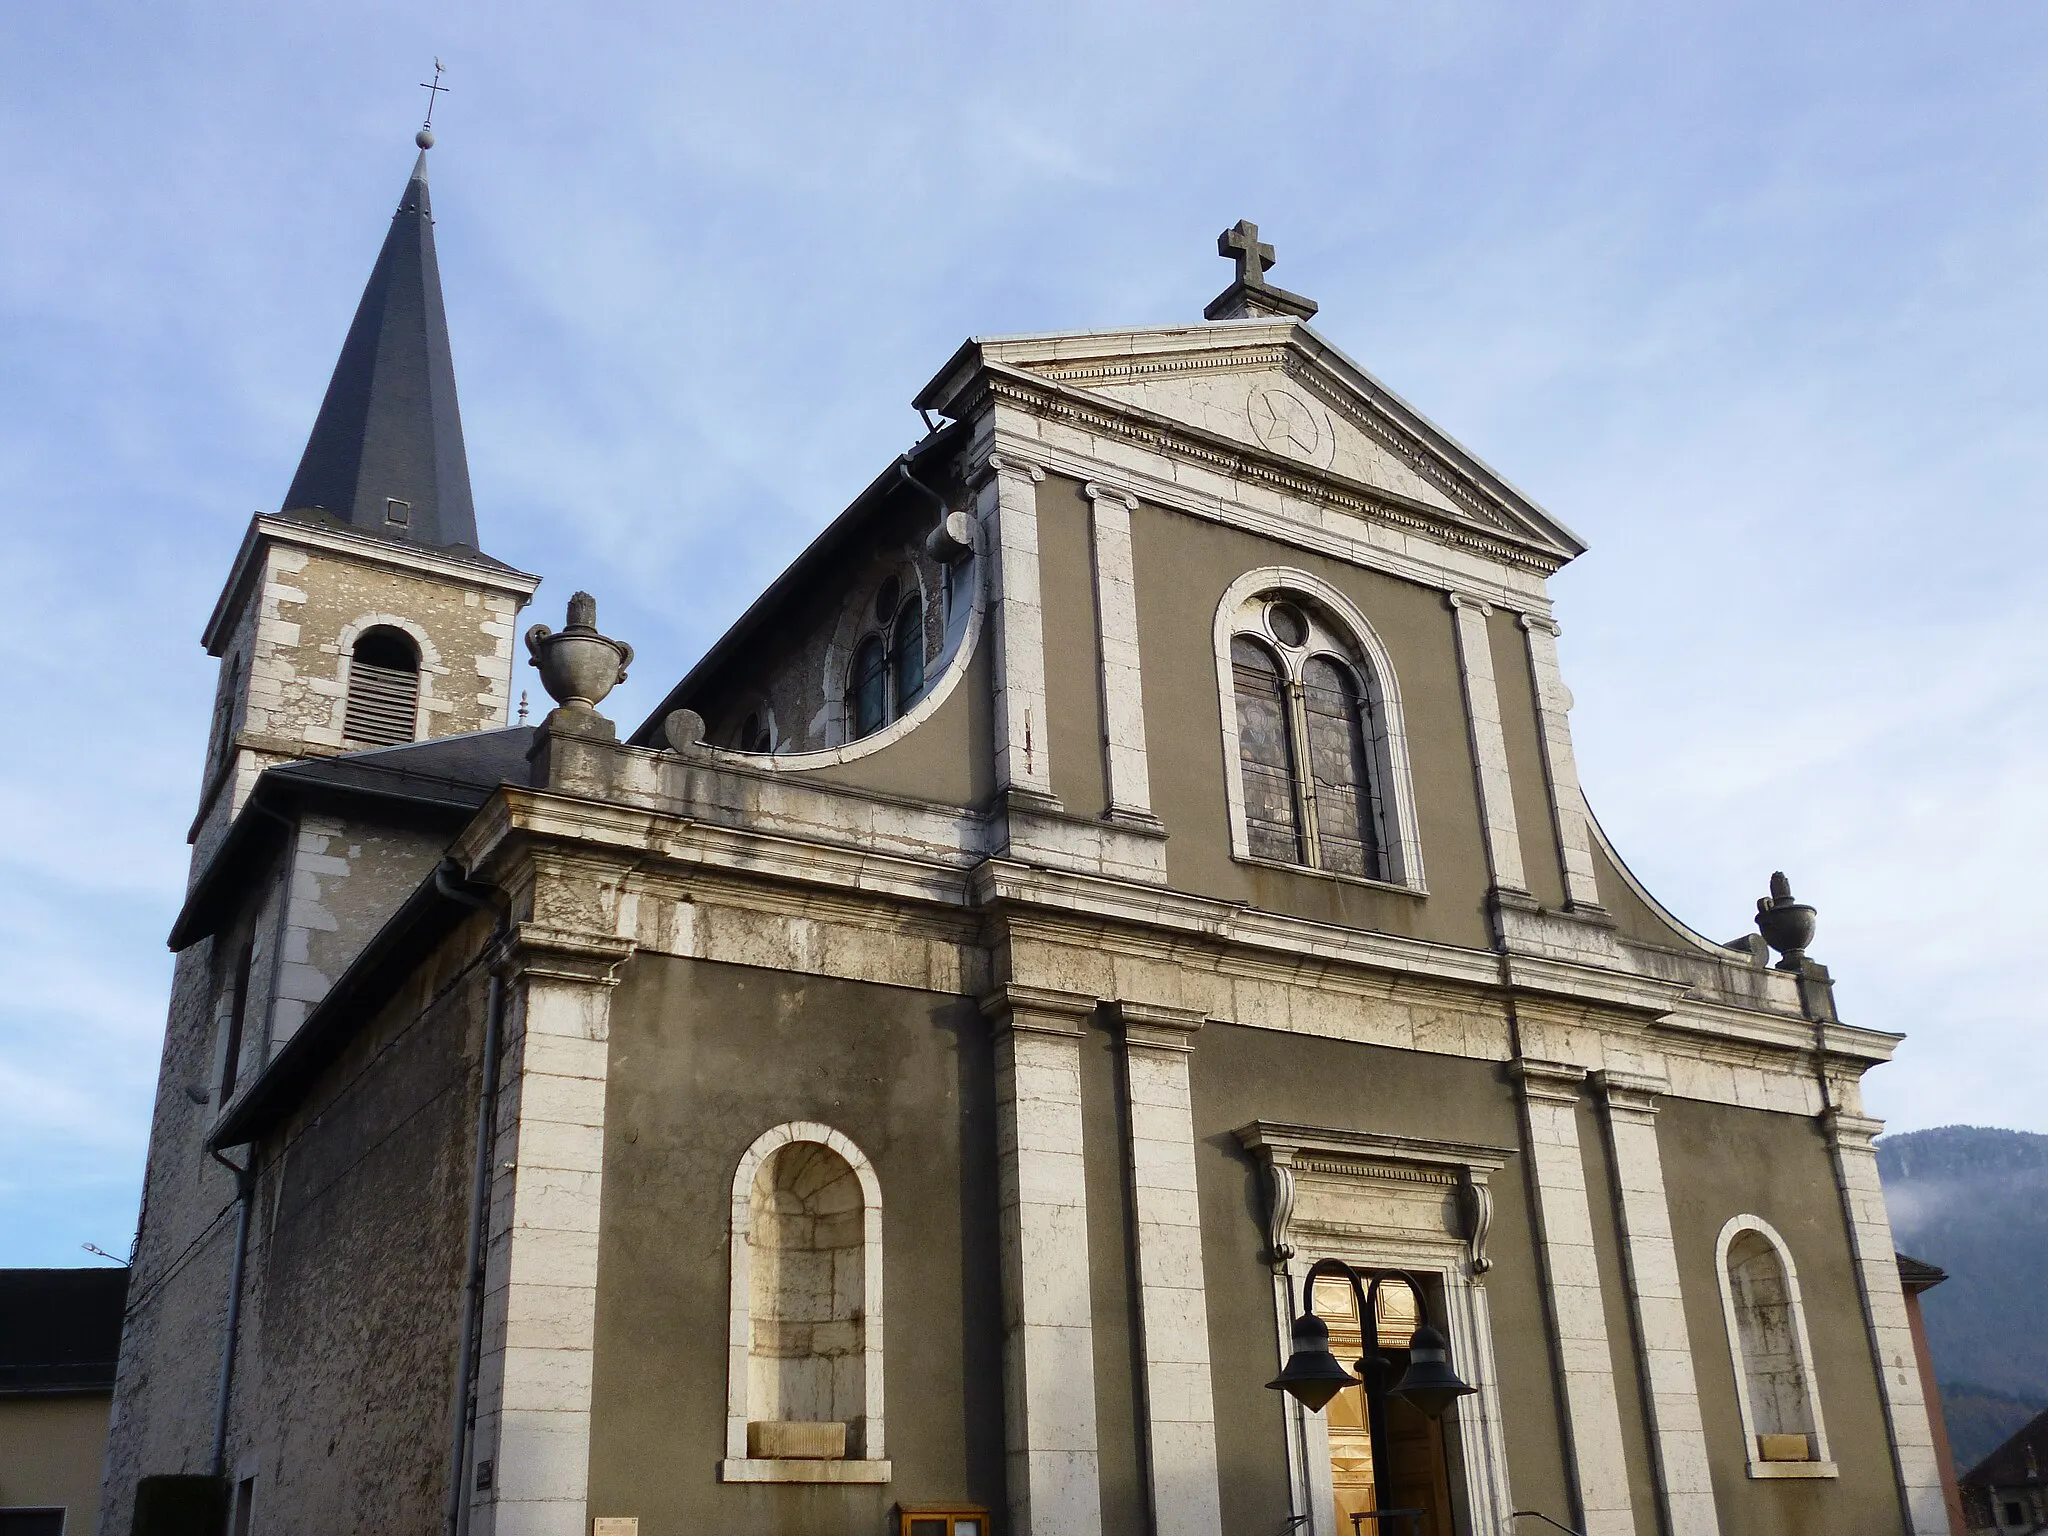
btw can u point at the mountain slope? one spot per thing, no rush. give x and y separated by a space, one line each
1975 1201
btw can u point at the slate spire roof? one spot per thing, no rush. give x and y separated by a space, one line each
386 453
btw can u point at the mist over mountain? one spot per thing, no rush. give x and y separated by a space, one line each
1975 1201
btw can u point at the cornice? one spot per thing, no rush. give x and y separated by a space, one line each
265 529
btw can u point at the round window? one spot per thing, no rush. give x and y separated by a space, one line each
1287 624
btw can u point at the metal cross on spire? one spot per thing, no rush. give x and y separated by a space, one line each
1241 244
433 88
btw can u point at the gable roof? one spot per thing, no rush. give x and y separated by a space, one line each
60 1330
2023 1459
1266 398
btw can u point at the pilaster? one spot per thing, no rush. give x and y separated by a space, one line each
540 1278
1567 801
1678 1441
1048 1324
1116 617
1009 510
1173 1305
1489 743
1852 1146
1585 1356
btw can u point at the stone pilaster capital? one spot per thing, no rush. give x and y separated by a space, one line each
1629 1095
1095 490
1014 1008
564 954
1471 600
1540 621
1008 463
1153 1026
1550 1082
1851 1133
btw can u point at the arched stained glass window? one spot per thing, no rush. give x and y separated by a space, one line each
1265 742
906 647
868 691
1340 770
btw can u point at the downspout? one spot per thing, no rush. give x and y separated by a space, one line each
462 1410
245 1182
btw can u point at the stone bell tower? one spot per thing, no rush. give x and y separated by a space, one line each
363 614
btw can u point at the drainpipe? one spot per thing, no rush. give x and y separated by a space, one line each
462 1411
245 1182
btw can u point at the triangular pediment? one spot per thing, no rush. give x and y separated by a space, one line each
1278 390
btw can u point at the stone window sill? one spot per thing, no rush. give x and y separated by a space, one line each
1793 1469
757 1470
1393 887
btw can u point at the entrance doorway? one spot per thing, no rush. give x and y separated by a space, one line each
1385 1455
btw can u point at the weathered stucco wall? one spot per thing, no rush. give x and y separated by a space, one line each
1073 667
349 1353
52 1451
1183 567
1719 1162
704 1058
1242 1074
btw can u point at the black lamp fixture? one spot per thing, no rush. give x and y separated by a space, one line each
1313 1375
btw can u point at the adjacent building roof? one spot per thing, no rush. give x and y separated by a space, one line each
60 1330
1917 1275
2019 1463
386 454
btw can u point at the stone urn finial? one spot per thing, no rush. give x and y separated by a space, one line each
1787 925
578 667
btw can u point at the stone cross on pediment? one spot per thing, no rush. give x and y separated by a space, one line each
1251 296
1241 243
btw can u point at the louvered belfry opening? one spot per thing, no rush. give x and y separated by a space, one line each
383 689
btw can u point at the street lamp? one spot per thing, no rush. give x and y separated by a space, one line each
1313 1375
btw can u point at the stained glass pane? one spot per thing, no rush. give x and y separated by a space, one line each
1265 753
907 644
1347 820
870 688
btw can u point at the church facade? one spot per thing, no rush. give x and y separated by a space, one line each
1127 875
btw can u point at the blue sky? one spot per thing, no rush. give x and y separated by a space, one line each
1750 296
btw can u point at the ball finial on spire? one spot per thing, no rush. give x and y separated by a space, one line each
424 138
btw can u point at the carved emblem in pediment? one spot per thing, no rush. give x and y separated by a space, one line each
1286 422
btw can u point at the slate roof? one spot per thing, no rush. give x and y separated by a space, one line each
60 1330
389 428
438 783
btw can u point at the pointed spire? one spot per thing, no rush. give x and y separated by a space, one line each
386 452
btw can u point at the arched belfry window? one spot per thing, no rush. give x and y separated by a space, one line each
1317 761
383 688
805 1369
1775 1390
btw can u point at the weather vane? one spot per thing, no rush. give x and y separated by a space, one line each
425 137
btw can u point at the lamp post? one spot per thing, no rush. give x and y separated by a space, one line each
1313 1375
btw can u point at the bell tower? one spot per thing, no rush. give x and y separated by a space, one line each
362 614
